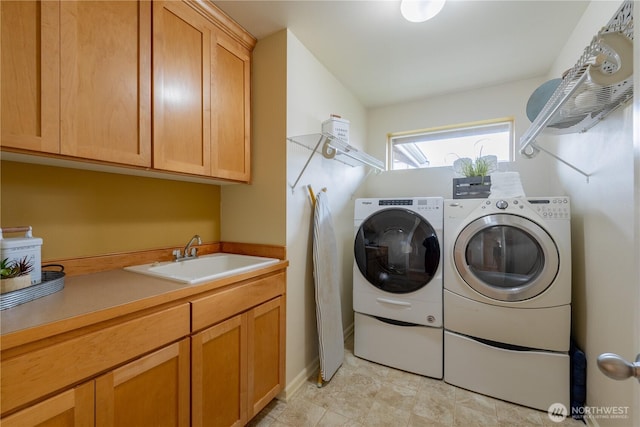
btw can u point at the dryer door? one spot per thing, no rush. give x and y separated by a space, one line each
397 250
506 257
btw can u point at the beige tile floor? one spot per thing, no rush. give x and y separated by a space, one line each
365 394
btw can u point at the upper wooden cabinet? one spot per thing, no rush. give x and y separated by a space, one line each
230 110
181 98
201 94
78 80
105 102
30 71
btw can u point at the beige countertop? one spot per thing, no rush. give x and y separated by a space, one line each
97 297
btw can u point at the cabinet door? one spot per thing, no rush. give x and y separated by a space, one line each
231 112
30 75
151 391
266 331
181 94
70 408
219 392
106 80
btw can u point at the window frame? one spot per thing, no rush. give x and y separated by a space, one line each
450 128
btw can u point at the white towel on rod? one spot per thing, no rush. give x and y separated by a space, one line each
327 289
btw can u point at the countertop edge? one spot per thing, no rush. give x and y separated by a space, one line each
169 293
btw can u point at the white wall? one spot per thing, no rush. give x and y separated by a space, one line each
605 232
312 95
507 100
255 213
605 281
606 211
294 93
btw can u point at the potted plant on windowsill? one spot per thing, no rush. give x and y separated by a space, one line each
15 274
476 183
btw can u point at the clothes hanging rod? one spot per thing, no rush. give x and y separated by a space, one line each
580 171
308 161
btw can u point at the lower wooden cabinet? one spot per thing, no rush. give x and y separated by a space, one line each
70 408
151 391
217 360
266 334
219 389
238 366
30 373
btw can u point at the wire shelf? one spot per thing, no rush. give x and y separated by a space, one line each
599 83
334 148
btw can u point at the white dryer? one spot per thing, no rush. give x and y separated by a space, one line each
397 283
507 298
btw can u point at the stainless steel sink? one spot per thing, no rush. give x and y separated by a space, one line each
204 268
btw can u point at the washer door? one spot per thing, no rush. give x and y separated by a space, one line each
397 250
506 257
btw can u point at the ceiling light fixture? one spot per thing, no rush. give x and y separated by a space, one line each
420 10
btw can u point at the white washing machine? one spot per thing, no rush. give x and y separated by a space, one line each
507 298
397 283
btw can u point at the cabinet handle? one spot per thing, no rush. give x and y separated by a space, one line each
26 228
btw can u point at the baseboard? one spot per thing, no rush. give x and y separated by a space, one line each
310 372
348 331
294 385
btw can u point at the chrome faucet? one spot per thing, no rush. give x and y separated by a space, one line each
188 252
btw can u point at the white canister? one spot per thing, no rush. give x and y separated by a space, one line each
337 127
18 248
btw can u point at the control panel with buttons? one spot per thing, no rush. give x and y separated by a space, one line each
552 208
548 208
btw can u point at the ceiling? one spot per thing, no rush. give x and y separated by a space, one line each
383 59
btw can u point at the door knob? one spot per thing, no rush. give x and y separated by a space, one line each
618 368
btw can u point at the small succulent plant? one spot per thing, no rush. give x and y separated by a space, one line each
15 268
481 166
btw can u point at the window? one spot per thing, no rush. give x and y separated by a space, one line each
440 147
